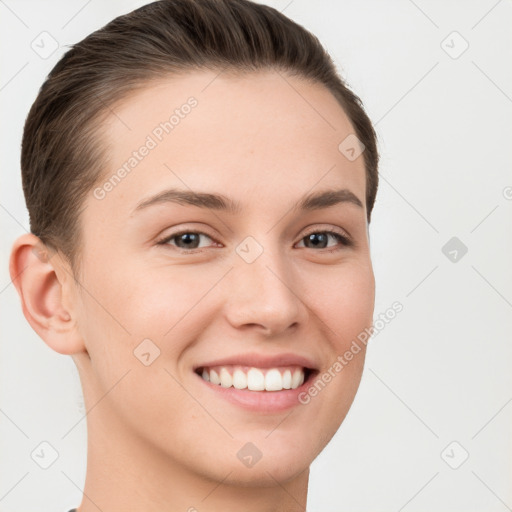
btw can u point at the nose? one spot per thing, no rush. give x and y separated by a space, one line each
263 297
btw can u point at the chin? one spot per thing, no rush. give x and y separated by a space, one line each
281 457
266 473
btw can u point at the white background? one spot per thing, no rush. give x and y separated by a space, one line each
441 370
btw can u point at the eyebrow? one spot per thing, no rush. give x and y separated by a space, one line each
313 201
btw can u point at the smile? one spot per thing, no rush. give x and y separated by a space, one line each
262 383
254 379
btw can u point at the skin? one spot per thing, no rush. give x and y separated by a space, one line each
156 439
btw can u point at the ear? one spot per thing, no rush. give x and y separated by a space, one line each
47 290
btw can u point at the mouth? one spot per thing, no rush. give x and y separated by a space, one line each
249 378
261 383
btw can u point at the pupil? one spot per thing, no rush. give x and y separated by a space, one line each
317 239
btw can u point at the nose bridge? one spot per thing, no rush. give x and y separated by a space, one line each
262 288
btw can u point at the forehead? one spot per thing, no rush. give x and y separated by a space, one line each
263 134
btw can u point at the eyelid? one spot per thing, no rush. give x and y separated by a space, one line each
188 227
330 229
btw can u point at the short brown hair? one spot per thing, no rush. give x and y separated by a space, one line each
62 157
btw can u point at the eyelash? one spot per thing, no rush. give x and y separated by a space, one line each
345 241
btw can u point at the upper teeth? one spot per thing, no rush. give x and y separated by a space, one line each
255 379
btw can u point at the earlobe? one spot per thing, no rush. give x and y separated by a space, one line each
43 284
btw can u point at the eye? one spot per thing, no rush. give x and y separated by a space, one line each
190 240
320 240
185 240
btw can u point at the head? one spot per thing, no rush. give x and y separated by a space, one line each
200 182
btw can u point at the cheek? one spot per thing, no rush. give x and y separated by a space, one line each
173 305
121 314
343 298
140 302
157 312
344 302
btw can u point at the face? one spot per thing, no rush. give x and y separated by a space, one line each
262 286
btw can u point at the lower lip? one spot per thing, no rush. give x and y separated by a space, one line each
260 401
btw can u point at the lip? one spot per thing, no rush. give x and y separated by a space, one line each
261 401
261 361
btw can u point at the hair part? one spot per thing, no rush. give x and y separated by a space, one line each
62 154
